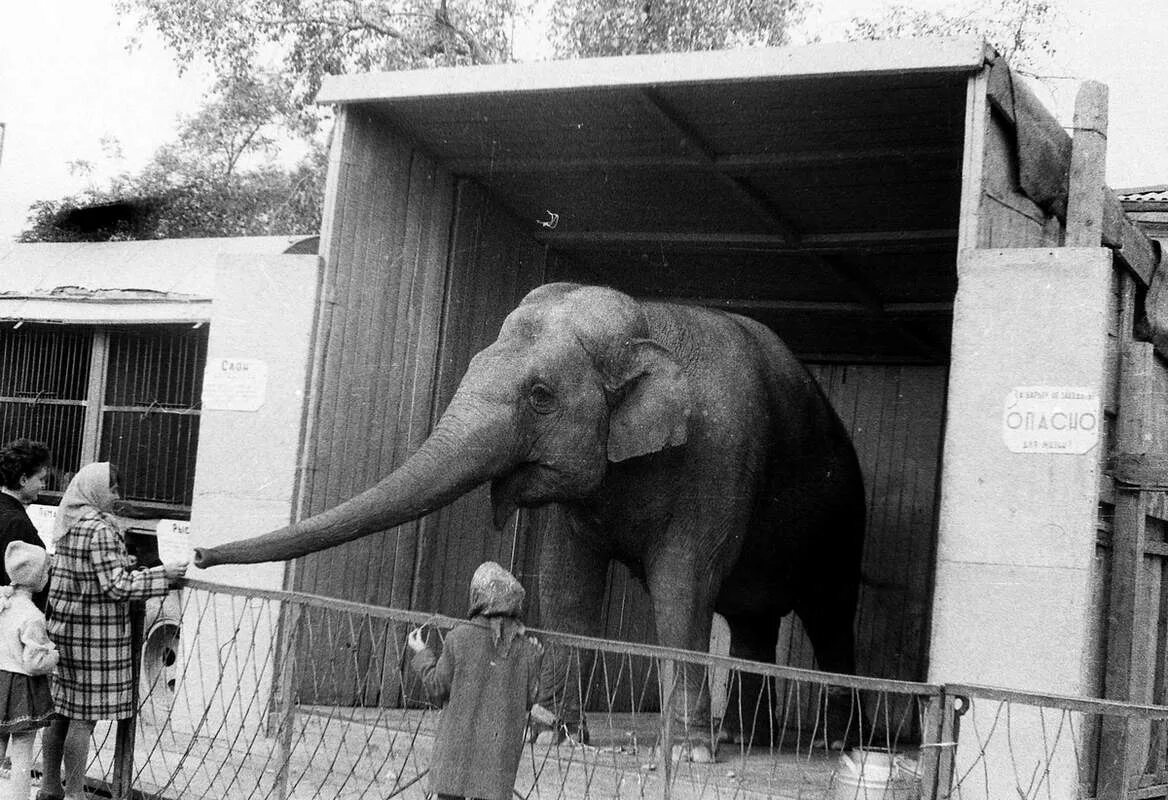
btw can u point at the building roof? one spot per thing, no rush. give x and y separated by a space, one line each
1144 194
141 281
778 182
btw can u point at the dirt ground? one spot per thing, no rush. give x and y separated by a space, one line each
331 753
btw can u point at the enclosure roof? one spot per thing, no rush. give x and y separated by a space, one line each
143 281
931 55
826 176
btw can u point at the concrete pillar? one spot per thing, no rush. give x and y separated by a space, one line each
1016 541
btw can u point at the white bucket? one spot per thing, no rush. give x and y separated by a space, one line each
875 775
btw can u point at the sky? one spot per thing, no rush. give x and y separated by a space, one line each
69 82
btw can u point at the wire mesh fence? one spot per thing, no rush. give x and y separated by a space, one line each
279 695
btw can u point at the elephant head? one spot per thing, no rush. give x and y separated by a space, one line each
571 384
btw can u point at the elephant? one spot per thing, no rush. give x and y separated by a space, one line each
688 443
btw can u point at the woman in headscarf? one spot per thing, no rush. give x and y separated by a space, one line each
94 581
487 678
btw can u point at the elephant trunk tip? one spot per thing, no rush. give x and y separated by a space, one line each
205 557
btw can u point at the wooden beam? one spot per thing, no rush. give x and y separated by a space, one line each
1088 167
817 306
761 205
1138 253
973 158
1147 470
737 162
870 299
824 242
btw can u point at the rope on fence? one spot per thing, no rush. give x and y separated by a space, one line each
284 696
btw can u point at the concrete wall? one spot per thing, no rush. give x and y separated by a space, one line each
246 471
1016 550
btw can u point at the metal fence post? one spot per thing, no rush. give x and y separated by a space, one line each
123 782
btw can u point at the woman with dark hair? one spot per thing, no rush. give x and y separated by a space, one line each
24 466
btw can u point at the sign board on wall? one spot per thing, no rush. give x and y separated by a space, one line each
174 540
42 519
1051 419
174 535
235 384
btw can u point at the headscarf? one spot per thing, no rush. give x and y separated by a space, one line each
497 596
88 491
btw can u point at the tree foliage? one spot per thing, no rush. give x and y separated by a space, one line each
1018 29
620 27
208 182
216 179
313 38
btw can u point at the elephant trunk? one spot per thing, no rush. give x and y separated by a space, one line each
449 463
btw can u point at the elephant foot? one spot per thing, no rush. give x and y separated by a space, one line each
842 720
559 732
693 752
699 752
763 734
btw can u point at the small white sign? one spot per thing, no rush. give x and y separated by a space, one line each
235 384
174 540
43 518
1051 419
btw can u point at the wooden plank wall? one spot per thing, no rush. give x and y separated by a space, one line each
895 415
385 243
493 265
995 211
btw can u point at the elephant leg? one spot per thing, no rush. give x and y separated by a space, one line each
571 596
684 618
840 709
750 699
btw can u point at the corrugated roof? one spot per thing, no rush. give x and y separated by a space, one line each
1144 194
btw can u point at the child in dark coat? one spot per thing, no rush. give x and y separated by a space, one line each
486 679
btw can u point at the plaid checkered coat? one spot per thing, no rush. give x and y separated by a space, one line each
90 619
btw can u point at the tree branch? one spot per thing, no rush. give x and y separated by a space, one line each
477 52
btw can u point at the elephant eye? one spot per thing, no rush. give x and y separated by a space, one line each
541 398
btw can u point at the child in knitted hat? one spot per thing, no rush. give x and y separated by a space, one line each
26 659
487 678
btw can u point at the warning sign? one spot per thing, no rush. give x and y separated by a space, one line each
1051 419
235 384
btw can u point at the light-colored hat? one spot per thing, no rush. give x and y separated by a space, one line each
495 592
27 565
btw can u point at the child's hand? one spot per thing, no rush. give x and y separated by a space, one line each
416 641
175 570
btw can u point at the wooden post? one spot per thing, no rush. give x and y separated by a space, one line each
1127 671
666 680
283 706
1088 165
123 782
939 745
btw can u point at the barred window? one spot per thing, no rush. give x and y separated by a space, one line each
127 394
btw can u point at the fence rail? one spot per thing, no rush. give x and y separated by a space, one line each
264 694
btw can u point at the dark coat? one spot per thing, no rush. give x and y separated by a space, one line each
16 526
487 694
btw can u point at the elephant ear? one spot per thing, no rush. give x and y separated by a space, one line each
652 403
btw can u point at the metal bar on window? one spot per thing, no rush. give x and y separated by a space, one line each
95 400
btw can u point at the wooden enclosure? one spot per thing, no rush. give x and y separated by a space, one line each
831 192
